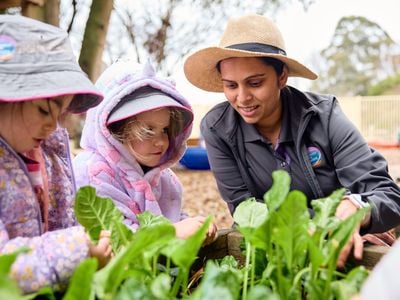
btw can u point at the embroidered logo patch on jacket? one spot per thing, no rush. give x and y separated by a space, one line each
315 156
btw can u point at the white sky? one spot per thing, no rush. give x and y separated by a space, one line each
308 32
305 32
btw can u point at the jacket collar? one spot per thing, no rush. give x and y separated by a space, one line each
297 105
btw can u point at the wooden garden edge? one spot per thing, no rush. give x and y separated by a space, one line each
228 243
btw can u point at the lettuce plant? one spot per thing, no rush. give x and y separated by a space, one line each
299 252
289 255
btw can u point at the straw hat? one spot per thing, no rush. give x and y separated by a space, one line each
247 36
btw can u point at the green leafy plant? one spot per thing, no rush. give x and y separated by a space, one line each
136 261
300 252
289 255
8 288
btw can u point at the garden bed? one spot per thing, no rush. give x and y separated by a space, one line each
229 240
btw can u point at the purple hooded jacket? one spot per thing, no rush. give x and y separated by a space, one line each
108 166
55 254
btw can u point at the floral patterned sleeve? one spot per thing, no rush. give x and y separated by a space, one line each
51 260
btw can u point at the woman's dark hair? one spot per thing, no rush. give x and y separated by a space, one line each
277 64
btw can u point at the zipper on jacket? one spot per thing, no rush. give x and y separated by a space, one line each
304 159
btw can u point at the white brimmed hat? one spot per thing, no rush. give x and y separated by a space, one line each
247 36
146 99
36 61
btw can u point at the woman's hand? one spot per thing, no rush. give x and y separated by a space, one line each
189 226
345 209
103 250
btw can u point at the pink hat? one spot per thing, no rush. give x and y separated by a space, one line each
36 61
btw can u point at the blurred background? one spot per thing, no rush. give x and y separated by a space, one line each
354 46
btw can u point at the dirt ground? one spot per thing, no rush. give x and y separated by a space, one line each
201 195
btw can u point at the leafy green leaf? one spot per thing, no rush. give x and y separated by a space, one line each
351 285
219 283
184 252
9 288
96 213
325 208
250 213
80 285
290 230
261 292
6 260
133 288
341 236
229 262
279 189
108 279
45 293
93 212
161 286
148 219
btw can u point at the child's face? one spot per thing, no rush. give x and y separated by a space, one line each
149 151
25 125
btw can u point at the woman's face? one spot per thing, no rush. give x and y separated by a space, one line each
148 151
253 89
26 124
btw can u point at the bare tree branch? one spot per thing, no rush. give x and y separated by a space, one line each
74 11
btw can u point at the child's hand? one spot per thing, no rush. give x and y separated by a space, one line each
212 234
103 250
189 226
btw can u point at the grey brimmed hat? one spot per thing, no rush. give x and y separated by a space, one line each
36 61
146 99
247 36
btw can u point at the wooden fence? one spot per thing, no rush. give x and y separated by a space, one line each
377 117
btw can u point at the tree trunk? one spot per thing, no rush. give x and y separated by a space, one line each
47 11
90 58
94 38
52 12
33 9
9 3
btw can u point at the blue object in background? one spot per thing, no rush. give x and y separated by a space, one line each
195 158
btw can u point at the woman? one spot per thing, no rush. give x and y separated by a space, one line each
267 125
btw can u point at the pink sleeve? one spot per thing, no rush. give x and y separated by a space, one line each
51 260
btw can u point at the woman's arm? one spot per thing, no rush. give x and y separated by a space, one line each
364 171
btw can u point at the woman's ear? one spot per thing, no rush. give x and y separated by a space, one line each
282 80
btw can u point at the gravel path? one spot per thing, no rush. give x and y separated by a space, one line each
201 196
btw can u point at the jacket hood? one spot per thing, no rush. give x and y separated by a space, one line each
119 80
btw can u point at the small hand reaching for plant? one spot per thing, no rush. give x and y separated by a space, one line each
102 250
189 226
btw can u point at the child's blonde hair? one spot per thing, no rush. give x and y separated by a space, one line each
125 131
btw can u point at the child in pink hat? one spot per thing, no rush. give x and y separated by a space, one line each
40 82
131 141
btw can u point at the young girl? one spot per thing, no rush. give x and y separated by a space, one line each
132 139
40 82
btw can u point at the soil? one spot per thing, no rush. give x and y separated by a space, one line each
201 196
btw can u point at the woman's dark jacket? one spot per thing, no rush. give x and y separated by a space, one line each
313 121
